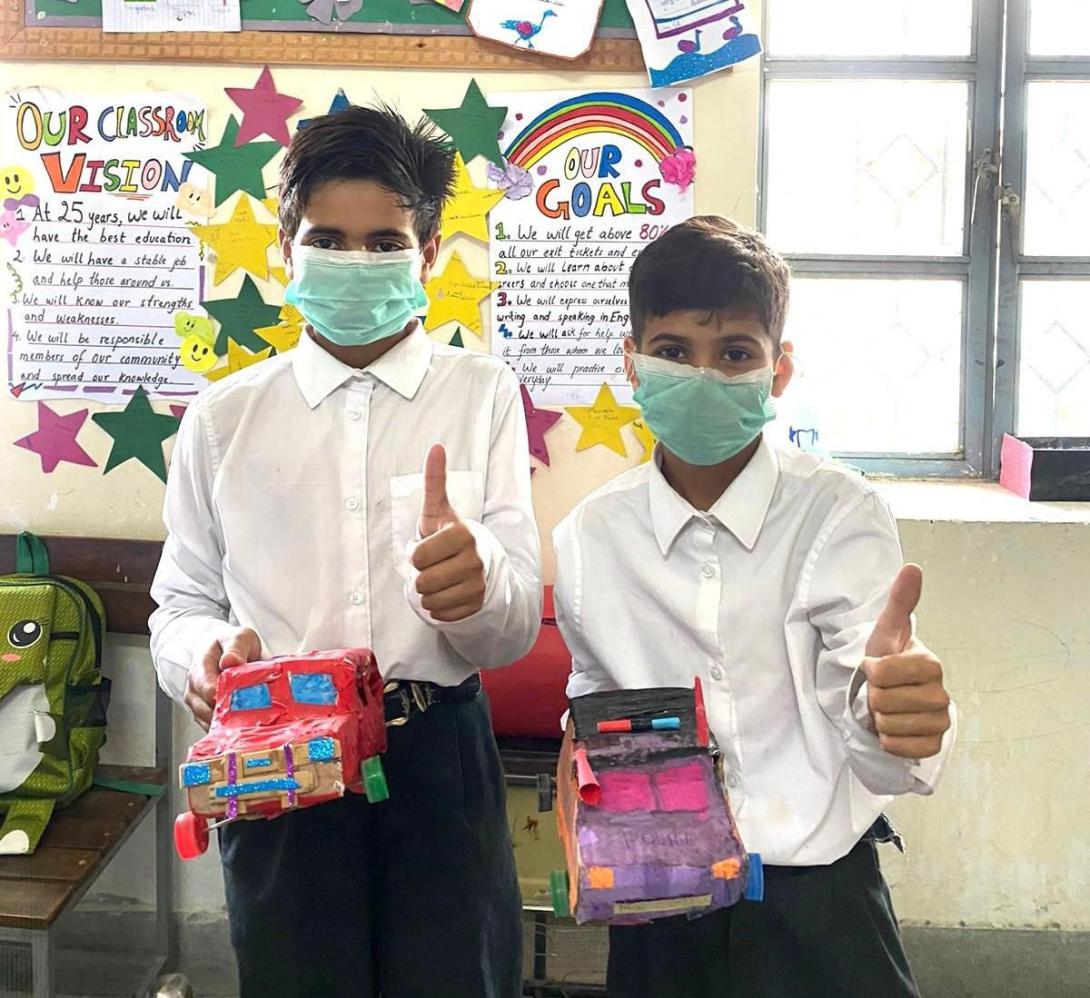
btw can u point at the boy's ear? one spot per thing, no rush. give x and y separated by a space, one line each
430 250
785 368
629 367
285 250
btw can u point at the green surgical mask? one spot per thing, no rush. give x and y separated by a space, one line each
700 414
352 297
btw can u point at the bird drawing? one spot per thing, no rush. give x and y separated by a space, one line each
526 30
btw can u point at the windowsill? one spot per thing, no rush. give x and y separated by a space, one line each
975 502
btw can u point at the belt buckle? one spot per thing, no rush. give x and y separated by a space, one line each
410 695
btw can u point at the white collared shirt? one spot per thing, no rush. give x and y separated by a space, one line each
293 501
769 598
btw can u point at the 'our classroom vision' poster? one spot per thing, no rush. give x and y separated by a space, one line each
590 178
96 255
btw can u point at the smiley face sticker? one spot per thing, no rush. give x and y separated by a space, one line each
198 342
17 188
195 201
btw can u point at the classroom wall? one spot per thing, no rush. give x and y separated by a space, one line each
1000 844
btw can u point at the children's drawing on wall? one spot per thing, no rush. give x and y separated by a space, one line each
98 256
590 179
561 28
124 16
685 39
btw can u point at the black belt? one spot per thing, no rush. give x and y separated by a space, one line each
405 698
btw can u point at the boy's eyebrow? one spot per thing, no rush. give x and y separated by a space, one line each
332 230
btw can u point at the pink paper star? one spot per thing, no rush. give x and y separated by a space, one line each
177 411
55 439
12 227
264 111
538 423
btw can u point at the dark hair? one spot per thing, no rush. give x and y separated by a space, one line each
712 264
369 143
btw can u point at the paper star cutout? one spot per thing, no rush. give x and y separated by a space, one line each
538 423
456 294
238 358
456 340
55 439
280 275
242 243
339 103
602 422
646 439
178 411
468 207
138 432
235 168
239 317
474 126
264 111
12 227
285 334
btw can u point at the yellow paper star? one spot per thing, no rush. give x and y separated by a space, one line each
280 275
237 359
645 437
456 295
272 206
242 242
285 334
602 422
468 207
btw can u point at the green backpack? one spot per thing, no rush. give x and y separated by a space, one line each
53 696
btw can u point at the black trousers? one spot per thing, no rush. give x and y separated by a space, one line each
820 932
413 897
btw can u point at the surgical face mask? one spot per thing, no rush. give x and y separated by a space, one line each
352 297
700 414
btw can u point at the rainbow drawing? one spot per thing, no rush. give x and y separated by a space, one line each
602 112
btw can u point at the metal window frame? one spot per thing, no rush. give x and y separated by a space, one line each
1022 69
977 269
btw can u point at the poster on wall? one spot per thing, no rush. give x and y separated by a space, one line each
97 259
590 179
683 40
125 16
561 28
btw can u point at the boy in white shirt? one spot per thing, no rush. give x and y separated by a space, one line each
776 578
295 509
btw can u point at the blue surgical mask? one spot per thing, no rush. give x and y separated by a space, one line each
700 414
352 297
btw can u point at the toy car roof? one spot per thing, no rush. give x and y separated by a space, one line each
359 659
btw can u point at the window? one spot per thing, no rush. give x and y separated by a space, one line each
884 181
313 688
255 697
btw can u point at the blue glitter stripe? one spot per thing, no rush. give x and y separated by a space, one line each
258 787
258 763
196 774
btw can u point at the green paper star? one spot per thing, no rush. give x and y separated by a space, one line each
239 317
474 126
235 169
138 432
456 340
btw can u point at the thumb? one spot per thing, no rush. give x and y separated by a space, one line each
893 629
244 647
436 511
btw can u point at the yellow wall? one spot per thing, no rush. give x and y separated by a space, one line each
1001 844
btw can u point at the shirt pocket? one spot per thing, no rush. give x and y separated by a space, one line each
465 490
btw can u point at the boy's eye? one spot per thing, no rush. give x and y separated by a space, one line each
324 242
388 246
736 355
671 353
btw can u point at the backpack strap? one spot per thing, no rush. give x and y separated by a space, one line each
31 557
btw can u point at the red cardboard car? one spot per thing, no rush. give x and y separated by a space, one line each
288 733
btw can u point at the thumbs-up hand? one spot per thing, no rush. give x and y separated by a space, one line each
907 701
452 578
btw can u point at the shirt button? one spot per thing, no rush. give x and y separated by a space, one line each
708 571
354 415
732 779
356 598
352 503
717 673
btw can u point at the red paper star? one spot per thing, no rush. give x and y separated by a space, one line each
538 423
55 439
264 111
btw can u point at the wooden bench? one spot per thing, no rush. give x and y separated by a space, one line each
82 838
